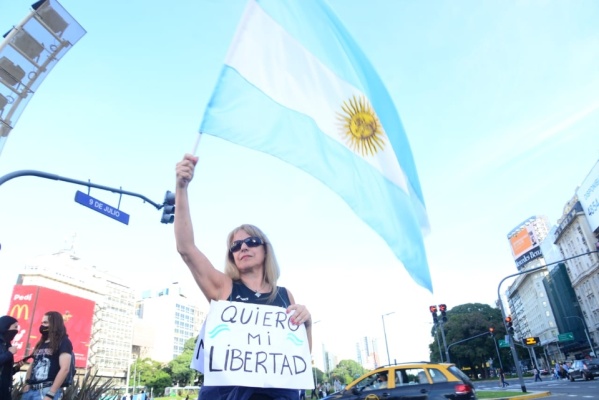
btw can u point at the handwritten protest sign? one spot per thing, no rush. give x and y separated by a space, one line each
252 345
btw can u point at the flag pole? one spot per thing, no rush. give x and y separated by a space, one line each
197 143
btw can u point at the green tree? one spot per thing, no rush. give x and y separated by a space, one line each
151 374
347 371
158 382
179 369
464 322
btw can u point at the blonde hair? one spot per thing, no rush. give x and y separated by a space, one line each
271 267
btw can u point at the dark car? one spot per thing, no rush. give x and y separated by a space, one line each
417 380
584 369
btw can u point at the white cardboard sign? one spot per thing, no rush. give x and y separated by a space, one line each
252 345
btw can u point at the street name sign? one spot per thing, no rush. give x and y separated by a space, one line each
101 207
564 337
503 343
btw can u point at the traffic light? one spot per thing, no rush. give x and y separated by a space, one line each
491 331
443 309
509 325
168 208
433 310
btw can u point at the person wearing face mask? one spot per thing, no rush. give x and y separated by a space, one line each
51 360
9 327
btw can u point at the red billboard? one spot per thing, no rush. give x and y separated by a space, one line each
28 304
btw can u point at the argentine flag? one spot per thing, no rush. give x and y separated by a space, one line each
296 86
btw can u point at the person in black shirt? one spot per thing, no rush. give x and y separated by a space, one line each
251 274
51 360
9 327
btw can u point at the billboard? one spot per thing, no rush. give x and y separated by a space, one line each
28 304
588 195
524 243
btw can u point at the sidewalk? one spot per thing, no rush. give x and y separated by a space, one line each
527 395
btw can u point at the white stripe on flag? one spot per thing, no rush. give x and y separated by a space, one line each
278 65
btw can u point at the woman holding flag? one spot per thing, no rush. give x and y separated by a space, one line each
251 274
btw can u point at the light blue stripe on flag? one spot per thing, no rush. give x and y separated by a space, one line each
329 41
274 75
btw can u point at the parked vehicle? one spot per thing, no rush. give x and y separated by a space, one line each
421 380
584 369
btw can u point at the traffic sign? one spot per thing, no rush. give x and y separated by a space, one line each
503 343
565 337
531 341
101 207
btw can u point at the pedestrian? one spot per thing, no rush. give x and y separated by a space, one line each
314 393
250 275
337 385
9 327
537 375
502 377
51 360
565 370
556 371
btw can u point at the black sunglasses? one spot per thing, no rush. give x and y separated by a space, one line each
251 241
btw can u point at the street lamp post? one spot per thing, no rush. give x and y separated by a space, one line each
586 332
385 333
129 362
134 375
314 367
28 53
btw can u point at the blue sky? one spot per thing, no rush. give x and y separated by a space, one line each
499 101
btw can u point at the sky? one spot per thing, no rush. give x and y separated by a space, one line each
499 101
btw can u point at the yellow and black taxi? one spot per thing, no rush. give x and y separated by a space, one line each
417 380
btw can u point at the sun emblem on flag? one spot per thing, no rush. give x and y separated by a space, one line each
360 127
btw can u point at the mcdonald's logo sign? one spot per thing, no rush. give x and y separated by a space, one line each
18 309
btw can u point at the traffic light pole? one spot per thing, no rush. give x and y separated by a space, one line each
444 342
511 336
439 343
467 339
45 175
438 323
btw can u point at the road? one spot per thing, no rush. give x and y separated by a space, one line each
562 389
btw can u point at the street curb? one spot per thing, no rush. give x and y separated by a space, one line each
535 395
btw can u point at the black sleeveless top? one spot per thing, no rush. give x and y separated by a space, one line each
243 294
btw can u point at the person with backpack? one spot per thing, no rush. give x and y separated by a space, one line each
51 369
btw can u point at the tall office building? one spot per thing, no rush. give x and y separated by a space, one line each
527 295
112 323
575 236
367 353
169 317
